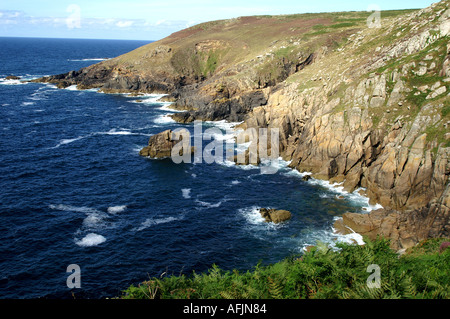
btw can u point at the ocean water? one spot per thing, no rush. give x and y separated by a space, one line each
74 189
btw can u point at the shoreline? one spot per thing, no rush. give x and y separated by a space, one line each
231 130
334 234
374 213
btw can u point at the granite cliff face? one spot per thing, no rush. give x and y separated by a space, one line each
365 106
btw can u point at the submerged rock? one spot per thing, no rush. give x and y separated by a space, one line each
275 215
12 77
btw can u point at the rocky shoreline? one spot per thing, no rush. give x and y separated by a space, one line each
369 109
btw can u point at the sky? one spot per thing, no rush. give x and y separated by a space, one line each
154 20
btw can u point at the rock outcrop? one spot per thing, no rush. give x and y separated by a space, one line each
404 228
12 77
275 215
161 145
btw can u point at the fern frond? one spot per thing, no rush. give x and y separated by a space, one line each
228 295
275 289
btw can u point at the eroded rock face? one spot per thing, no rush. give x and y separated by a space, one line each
404 229
217 101
275 215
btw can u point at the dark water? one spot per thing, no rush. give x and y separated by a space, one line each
74 189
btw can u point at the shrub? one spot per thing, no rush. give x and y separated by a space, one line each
422 272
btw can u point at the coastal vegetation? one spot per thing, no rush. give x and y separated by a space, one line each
323 272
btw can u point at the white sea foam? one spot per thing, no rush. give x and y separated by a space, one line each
72 88
69 208
252 215
152 99
149 222
155 99
256 223
91 239
110 132
115 132
4 81
166 107
338 190
241 148
248 167
186 193
235 182
41 93
164 119
224 125
119 131
137 148
330 237
70 140
94 220
228 138
27 103
116 209
333 189
208 205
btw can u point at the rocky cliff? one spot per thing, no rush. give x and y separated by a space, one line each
355 103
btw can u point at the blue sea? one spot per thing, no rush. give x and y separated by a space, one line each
74 189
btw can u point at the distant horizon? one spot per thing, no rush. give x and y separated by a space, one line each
152 21
59 38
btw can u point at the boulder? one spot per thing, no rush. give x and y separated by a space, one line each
275 215
160 145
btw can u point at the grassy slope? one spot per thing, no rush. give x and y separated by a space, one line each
244 39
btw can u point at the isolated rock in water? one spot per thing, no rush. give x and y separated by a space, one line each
275 215
160 145
12 77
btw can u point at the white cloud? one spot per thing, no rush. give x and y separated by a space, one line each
124 24
18 23
11 14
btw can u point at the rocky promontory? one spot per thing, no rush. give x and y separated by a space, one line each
362 105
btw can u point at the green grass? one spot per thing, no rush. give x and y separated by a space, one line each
445 111
321 273
285 52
